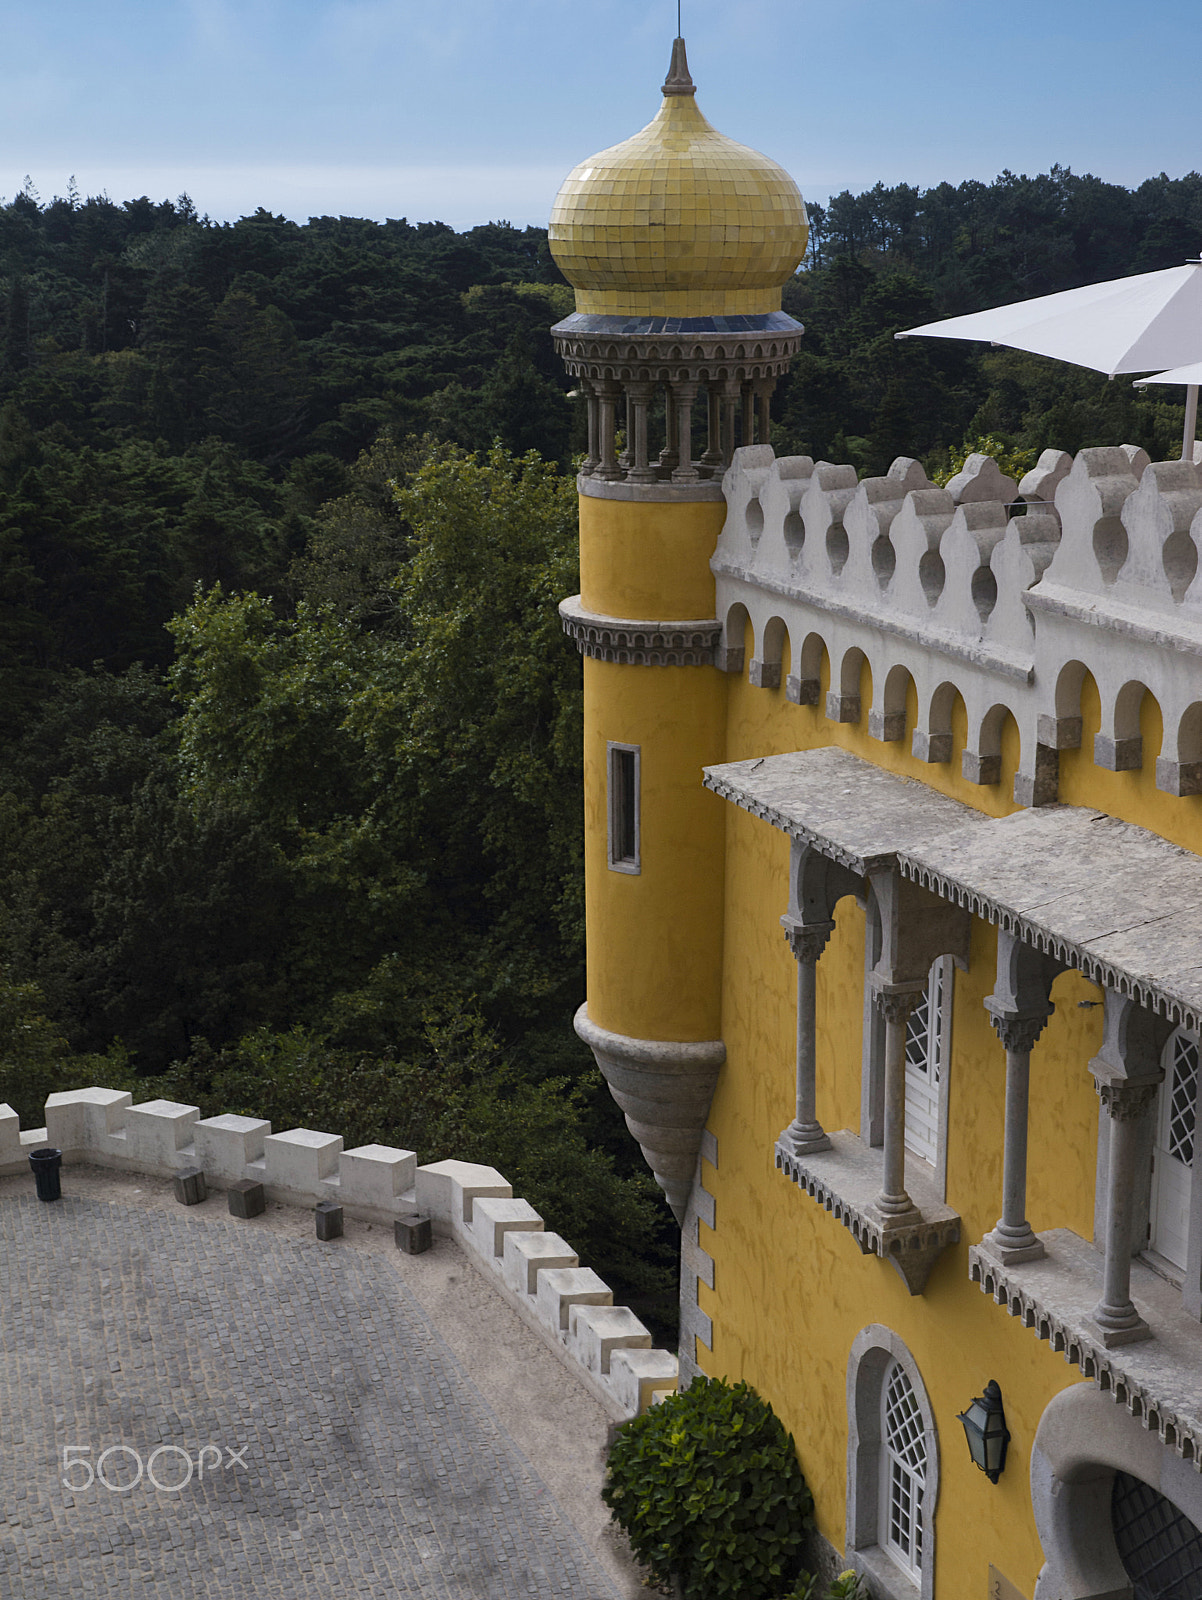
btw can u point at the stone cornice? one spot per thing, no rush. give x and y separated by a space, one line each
978 653
631 641
705 490
844 1180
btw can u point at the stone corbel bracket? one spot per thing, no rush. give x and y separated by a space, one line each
625 640
844 1180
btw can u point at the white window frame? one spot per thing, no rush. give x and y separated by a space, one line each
896 1470
874 1351
1164 1264
940 994
623 789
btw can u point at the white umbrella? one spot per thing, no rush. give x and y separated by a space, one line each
1126 325
1191 376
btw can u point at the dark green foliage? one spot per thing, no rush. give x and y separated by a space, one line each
707 1487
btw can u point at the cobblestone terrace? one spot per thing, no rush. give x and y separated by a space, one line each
368 1463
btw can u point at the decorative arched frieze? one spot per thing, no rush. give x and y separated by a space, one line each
765 669
887 718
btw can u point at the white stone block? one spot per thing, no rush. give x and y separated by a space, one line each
83 1119
374 1175
493 1219
226 1144
595 1332
526 1255
636 1375
561 1288
300 1159
10 1134
157 1131
446 1190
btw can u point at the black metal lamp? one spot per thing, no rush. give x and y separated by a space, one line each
986 1431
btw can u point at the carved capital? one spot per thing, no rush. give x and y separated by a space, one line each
895 1005
1125 1101
807 940
1018 1032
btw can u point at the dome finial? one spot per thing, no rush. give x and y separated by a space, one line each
678 80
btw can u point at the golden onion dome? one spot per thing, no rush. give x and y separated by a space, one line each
678 221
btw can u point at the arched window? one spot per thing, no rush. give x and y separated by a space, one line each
892 1468
903 1471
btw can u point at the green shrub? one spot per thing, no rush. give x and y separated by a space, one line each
707 1487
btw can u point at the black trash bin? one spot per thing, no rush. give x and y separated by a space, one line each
46 1163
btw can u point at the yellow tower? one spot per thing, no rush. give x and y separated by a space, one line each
677 242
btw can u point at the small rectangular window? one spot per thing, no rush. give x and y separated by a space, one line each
623 807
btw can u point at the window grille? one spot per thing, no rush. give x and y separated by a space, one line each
1161 1550
903 1476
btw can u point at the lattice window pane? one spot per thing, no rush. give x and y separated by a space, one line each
1160 1549
918 1034
901 1510
904 1431
1183 1099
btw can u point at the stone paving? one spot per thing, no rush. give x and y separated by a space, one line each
345 1451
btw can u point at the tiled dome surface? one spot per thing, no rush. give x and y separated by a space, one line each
678 221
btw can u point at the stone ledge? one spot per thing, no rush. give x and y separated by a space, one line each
631 641
846 1179
1155 1380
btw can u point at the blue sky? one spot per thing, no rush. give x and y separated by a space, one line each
473 110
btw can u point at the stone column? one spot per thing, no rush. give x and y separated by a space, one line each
712 458
807 940
731 391
669 456
1013 1239
747 428
763 396
637 397
628 453
593 460
608 394
896 1002
682 396
1126 1103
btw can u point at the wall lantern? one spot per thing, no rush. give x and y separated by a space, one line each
986 1431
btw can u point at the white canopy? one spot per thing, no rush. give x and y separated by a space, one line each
1126 325
1190 374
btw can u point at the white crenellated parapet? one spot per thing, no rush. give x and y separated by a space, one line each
537 1273
948 591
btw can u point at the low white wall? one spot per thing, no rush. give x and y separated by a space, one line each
537 1273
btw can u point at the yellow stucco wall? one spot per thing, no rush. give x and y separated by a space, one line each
648 558
791 1287
654 941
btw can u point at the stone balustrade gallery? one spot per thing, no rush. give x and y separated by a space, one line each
537 1273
